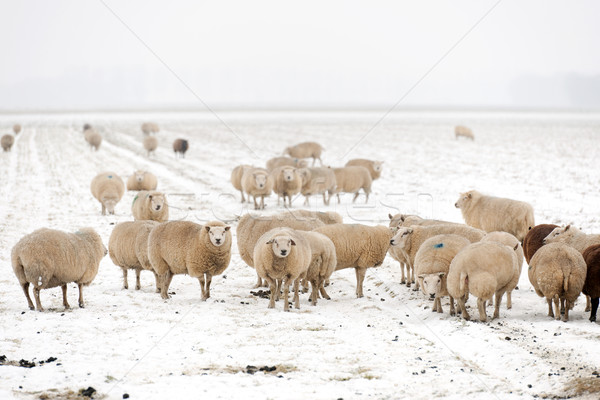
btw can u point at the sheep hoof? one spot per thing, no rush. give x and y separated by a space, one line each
593 318
415 289
125 287
403 281
407 284
137 287
204 298
452 313
32 308
81 305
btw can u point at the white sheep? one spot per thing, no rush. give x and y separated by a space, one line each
482 269
48 258
142 180
496 213
557 272
305 150
287 182
327 217
150 206
149 128
17 129
358 246
317 181
352 180
281 254
374 167
236 178
285 161
256 182
511 241
463 131
150 144
183 247
128 249
94 139
398 220
250 227
7 142
108 188
432 264
322 264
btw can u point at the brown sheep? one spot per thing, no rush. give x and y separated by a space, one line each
7 142
180 146
535 239
591 287
150 144
16 129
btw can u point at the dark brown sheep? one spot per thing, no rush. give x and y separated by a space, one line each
591 288
86 126
535 239
180 146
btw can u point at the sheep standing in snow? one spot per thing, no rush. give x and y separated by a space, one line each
322 264
149 128
256 182
591 288
16 129
107 188
535 239
557 272
251 227
509 240
86 126
180 146
7 142
407 220
432 263
463 131
352 180
287 182
48 258
374 167
236 178
150 144
94 139
183 247
327 217
282 254
150 206
496 214
359 247
317 181
483 269
305 150
285 161
142 180
128 249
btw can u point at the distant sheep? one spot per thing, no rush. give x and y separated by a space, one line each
86 126
183 247
287 183
284 255
236 178
398 220
150 206
285 161
7 142
352 180
557 272
128 249
496 214
180 146
108 188
251 227
482 269
535 239
150 144
48 258
432 264
317 181
327 217
16 129
256 182
591 288
149 128
322 264
511 241
94 139
305 150
463 131
359 247
374 167
142 180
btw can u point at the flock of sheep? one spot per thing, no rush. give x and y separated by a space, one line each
297 248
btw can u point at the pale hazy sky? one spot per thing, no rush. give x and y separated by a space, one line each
77 54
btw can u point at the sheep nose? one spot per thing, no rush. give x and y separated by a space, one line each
392 242
456 205
157 208
218 241
432 296
283 252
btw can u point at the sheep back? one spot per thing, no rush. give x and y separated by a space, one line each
128 244
509 240
236 176
352 179
374 167
108 188
305 150
535 239
283 161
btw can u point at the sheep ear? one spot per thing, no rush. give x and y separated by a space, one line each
270 241
390 216
207 228
516 246
470 195
292 242
421 276
567 227
442 274
409 230
227 228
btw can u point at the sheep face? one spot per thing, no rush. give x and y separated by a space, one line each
560 234
463 200
157 202
431 284
288 174
218 234
110 204
139 176
260 180
401 237
282 246
377 166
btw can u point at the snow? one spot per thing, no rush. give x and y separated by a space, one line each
386 345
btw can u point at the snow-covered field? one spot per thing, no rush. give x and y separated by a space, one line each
386 345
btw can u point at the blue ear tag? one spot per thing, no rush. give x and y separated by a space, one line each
439 245
110 177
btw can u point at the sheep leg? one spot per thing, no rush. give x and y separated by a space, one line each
202 286
497 304
208 281
125 284
355 197
243 198
262 202
439 304
562 306
255 203
338 196
463 308
166 281
452 310
272 288
25 287
565 317
305 200
157 280
103 209
367 198
509 300
481 307
550 312
304 285
259 281
81 303
403 279
278 289
314 293
588 303
286 292
64 293
556 309
323 292
360 277
594 302
138 285
296 294
36 295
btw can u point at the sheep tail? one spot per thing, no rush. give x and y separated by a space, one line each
566 283
464 282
